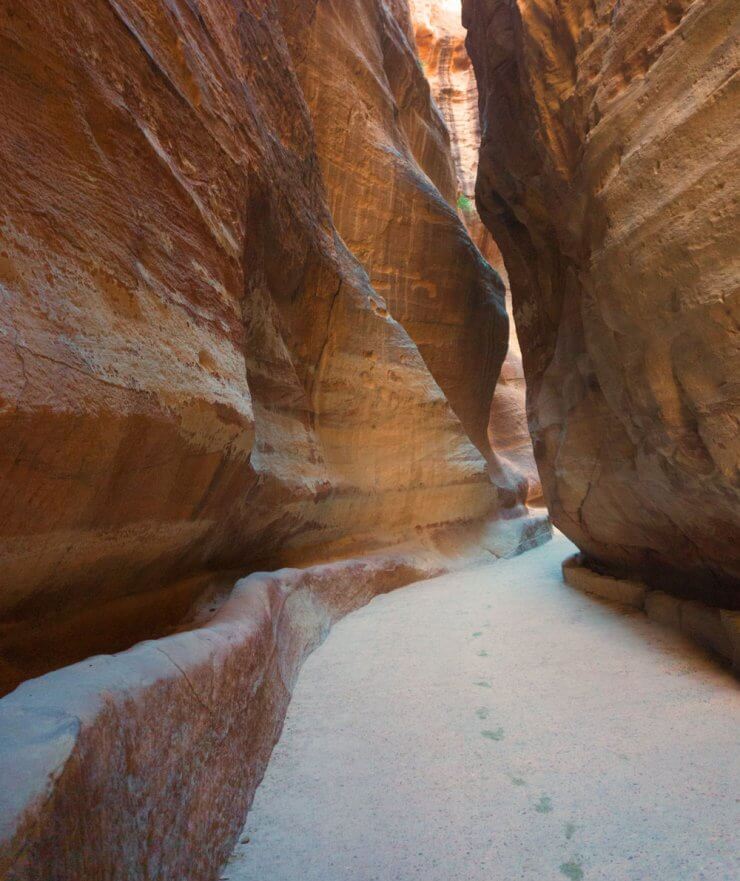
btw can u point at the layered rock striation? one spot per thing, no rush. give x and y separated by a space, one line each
242 322
608 176
440 38
243 326
384 154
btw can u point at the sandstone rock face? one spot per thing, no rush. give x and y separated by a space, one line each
242 323
608 175
242 326
385 158
440 38
143 764
97 796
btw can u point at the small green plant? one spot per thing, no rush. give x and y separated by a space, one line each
464 204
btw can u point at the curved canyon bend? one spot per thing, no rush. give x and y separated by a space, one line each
419 314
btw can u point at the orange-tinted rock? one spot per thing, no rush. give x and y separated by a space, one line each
385 157
608 176
440 38
196 374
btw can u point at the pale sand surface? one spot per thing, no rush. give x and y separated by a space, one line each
498 725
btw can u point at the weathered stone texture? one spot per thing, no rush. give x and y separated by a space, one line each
385 157
440 39
196 373
143 764
242 326
608 176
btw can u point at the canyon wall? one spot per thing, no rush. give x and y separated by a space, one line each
385 158
440 40
242 326
242 322
608 176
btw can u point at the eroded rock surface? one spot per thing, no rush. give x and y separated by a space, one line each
440 38
385 157
198 372
608 176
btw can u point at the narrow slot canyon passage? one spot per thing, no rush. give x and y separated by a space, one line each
497 724
369 440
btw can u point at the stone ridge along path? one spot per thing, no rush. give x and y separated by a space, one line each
497 724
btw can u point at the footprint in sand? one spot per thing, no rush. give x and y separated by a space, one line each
497 734
572 869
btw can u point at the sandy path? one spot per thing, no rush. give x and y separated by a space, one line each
498 725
